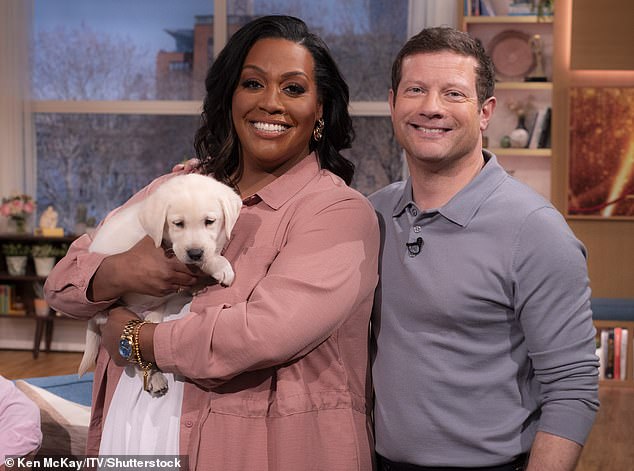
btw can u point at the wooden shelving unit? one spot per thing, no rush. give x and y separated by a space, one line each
23 287
530 165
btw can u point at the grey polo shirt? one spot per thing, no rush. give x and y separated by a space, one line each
485 336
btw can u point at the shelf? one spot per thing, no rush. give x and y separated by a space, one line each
546 86
521 152
16 278
4 236
507 19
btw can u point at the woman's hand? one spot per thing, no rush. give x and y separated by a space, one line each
143 269
188 166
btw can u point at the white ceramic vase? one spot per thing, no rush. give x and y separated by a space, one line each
43 265
16 264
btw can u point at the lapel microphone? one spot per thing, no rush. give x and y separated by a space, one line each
414 247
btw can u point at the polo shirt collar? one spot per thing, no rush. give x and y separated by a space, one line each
284 187
462 207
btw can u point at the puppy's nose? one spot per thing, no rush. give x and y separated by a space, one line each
195 254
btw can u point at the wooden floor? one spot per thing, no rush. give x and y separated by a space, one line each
610 446
16 364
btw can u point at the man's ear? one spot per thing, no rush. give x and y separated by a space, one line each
487 112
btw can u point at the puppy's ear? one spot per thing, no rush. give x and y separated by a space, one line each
231 204
153 214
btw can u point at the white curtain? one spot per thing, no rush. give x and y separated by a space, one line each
17 162
423 14
426 13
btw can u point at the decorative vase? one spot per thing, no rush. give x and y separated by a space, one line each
519 135
16 264
19 224
43 265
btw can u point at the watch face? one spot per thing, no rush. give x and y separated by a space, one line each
125 348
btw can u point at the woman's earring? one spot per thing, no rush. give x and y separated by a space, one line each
318 132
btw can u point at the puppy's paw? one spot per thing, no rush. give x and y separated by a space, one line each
157 384
226 277
220 269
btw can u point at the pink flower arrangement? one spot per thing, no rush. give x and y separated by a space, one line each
17 206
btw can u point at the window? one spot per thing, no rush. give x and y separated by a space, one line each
118 87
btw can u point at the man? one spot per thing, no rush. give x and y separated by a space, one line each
483 329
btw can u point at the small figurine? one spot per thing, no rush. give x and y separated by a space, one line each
48 219
538 74
48 223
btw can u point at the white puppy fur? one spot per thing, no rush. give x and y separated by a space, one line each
193 213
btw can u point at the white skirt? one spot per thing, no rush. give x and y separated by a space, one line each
138 423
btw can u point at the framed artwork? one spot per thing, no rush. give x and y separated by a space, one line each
601 163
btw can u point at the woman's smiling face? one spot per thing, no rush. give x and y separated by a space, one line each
275 105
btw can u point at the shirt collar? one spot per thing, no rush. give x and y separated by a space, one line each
284 187
462 207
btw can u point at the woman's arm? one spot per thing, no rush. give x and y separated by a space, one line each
325 271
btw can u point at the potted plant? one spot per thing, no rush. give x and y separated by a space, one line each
544 8
45 256
16 256
18 208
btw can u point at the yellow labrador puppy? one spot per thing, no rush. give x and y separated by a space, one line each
194 214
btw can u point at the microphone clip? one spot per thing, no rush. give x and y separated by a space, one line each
414 247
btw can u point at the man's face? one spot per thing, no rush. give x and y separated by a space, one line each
435 110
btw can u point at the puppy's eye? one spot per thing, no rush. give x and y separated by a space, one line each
209 221
179 224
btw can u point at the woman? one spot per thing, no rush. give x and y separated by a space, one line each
275 365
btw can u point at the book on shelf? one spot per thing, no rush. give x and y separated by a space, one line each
479 8
486 8
617 353
521 8
611 348
544 138
598 343
540 131
10 303
609 357
624 340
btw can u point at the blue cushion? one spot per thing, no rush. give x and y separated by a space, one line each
613 309
70 387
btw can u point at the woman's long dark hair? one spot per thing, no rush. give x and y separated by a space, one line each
216 141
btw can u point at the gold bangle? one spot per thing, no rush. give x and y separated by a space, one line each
145 366
137 343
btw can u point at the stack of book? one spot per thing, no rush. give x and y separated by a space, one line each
612 352
9 302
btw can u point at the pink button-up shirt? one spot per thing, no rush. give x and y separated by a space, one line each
20 432
278 362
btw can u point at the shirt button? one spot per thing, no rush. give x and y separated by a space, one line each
189 423
414 212
417 229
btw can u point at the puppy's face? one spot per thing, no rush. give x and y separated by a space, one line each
195 227
195 213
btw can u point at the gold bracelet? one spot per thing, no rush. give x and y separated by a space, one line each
145 366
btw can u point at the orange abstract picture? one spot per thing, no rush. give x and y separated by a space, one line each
601 167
